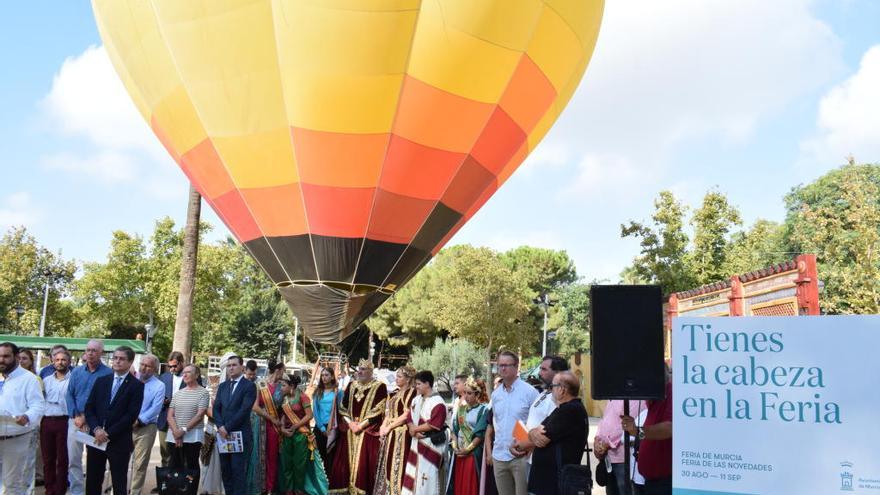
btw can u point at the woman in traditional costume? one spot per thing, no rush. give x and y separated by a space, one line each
301 469
468 432
394 435
426 425
255 473
325 401
268 402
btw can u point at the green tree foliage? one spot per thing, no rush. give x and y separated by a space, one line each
838 218
24 265
572 320
450 357
542 270
712 223
760 246
478 294
662 259
475 296
404 320
140 281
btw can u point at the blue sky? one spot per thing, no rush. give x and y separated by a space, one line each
750 97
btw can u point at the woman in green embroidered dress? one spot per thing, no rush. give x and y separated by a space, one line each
301 470
468 431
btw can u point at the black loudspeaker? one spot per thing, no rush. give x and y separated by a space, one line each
626 323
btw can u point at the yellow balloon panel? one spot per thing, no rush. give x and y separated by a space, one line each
228 63
555 48
582 17
509 24
459 63
352 84
258 160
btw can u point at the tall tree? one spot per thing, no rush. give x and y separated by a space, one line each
838 217
477 297
183 323
713 222
662 258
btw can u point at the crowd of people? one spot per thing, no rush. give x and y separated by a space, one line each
252 435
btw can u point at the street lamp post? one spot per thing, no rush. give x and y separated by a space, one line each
48 275
19 310
150 330
544 301
280 347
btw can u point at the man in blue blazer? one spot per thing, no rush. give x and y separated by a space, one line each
112 408
232 412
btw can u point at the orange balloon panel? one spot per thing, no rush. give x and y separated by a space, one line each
344 142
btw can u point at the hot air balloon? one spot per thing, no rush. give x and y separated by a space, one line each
344 142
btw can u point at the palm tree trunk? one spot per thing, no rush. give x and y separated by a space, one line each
183 325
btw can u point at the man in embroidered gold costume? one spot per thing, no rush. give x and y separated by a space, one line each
357 451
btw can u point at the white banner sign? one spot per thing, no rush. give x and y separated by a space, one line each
776 405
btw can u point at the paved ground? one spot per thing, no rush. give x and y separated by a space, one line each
151 473
155 458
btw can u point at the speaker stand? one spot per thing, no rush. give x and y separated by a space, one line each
626 447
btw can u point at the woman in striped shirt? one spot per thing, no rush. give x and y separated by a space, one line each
186 415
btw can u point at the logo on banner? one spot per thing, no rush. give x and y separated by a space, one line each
846 476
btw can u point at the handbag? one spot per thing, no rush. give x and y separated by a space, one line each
176 481
574 479
601 476
437 437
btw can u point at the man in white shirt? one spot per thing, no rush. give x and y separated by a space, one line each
21 408
144 432
53 429
510 403
542 406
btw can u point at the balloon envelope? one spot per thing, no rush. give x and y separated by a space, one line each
344 142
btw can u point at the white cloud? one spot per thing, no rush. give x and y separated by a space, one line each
667 72
605 175
108 166
849 117
88 104
18 209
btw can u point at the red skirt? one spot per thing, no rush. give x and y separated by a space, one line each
465 476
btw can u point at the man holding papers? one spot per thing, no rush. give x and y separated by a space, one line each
232 413
112 408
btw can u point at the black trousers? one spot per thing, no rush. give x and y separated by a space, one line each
658 487
186 457
321 441
96 463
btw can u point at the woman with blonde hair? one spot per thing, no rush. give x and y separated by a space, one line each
395 443
468 434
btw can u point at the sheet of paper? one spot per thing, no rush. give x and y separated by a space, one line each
234 443
89 440
7 419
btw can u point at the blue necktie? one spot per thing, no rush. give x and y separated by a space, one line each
115 389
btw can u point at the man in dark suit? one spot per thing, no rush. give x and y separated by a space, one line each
111 410
232 409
